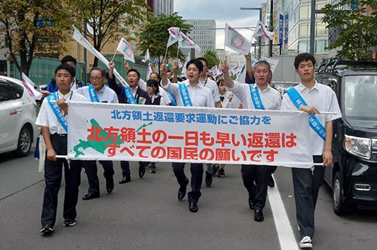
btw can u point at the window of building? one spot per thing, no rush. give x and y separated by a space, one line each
303 46
320 46
304 12
304 29
320 29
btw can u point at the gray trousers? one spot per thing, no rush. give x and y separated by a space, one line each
306 184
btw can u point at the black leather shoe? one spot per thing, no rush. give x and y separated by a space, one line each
193 207
141 171
258 215
90 196
208 179
125 179
109 184
182 191
47 229
271 182
251 203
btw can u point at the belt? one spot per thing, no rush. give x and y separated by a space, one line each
56 134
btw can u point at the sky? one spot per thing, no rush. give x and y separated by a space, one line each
223 11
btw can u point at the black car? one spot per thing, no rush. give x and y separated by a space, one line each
353 175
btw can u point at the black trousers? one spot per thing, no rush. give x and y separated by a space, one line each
260 175
306 184
196 170
125 166
91 171
53 177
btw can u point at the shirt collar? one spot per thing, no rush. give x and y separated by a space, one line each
265 90
102 90
199 85
60 95
301 87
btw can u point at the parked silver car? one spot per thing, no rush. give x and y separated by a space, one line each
17 117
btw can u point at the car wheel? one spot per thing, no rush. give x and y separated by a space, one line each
24 142
340 208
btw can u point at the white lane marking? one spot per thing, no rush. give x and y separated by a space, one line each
283 227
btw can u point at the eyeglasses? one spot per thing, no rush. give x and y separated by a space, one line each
96 78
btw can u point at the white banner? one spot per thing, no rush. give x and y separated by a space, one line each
99 131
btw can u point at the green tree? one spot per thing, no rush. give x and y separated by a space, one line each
212 58
357 31
108 19
32 27
154 35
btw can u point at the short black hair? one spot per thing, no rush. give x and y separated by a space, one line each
303 57
198 63
103 72
134 70
158 76
153 83
203 59
65 66
68 59
220 81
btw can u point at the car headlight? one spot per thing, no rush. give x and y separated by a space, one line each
358 146
374 143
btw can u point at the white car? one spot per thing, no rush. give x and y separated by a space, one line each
17 117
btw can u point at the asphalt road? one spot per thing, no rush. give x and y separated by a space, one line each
145 214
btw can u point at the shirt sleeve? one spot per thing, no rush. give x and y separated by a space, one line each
42 119
209 101
172 89
287 104
165 96
239 91
142 84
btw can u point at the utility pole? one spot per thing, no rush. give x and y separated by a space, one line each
85 55
312 27
260 19
271 24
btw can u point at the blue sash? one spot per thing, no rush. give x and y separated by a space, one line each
255 97
185 95
93 95
314 123
173 102
57 111
130 97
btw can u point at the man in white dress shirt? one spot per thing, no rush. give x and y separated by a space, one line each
314 98
189 93
52 118
98 92
269 99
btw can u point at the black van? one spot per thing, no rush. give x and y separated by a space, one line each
353 175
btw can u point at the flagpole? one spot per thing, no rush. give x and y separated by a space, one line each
114 55
166 51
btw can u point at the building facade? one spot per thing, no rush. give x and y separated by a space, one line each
203 33
161 6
